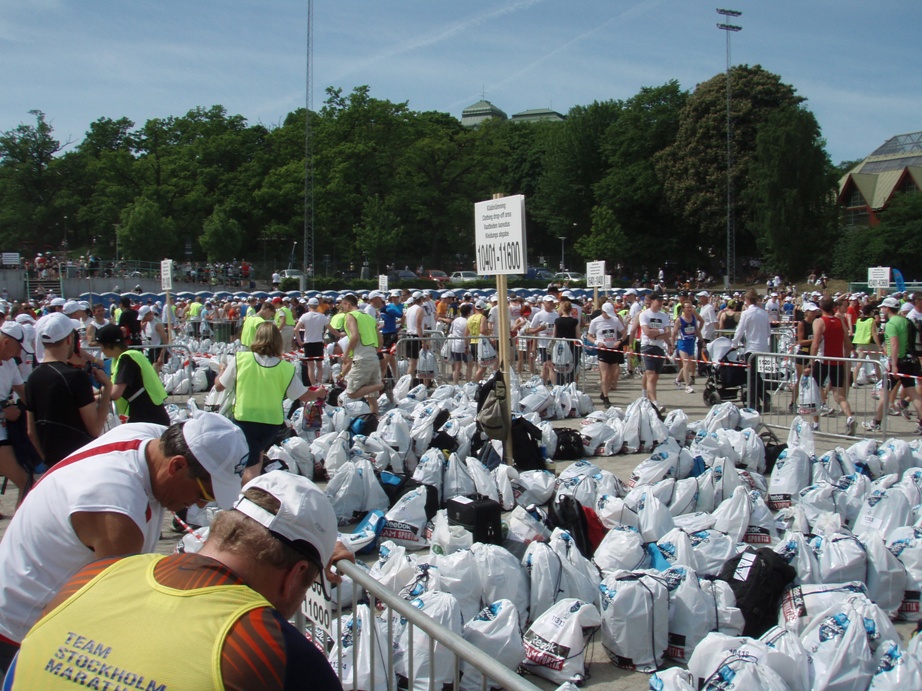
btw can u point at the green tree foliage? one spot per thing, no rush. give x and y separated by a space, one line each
896 241
632 187
636 182
694 168
606 240
791 192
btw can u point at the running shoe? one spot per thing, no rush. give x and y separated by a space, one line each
851 425
905 410
605 400
825 410
816 427
918 430
689 389
871 425
894 410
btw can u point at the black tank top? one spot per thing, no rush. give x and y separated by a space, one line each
729 321
808 333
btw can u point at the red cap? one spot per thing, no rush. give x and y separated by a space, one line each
276 301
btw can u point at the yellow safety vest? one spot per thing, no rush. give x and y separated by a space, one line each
260 390
248 332
195 309
121 629
152 384
289 317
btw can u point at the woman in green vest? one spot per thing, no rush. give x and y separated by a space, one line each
137 391
261 381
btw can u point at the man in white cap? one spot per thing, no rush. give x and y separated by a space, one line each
107 500
236 595
903 364
64 412
309 336
608 333
12 340
542 324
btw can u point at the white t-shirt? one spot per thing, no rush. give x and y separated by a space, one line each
606 330
229 378
709 321
654 320
40 550
546 320
412 316
313 324
457 332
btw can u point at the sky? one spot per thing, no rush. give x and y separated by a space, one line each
857 62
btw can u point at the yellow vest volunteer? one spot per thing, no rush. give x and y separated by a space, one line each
260 390
152 384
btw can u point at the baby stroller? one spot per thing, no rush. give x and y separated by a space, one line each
725 379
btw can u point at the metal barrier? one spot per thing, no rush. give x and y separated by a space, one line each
779 373
320 620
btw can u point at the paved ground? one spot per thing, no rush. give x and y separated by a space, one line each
604 675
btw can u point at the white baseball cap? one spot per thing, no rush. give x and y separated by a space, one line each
417 295
549 298
54 327
906 308
145 310
313 302
305 520
448 294
608 308
71 306
13 330
58 302
892 303
220 447
811 307
703 294
630 291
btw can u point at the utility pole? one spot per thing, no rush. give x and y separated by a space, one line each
308 258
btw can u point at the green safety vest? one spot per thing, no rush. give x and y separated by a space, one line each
368 328
152 384
863 331
289 317
195 309
338 321
260 390
248 332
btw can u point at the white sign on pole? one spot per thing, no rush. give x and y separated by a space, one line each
878 277
318 609
11 259
606 285
382 282
595 274
499 236
166 274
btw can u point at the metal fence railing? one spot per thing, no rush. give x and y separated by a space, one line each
322 621
782 377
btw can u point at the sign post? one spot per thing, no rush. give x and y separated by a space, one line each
878 278
382 282
595 279
499 244
166 284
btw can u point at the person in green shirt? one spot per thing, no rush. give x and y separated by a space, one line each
266 313
137 390
904 365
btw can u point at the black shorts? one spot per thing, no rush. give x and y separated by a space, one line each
835 371
611 357
389 339
650 363
907 368
414 345
473 347
313 351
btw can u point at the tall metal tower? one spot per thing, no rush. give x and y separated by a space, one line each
308 258
731 231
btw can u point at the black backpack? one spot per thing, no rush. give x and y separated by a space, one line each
567 513
526 453
913 337
758 580
569 445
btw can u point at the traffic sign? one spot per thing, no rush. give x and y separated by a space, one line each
595 274
499 236
878 277
166 274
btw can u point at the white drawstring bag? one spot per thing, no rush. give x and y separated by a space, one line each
495 631
837 641
429 659
359 640
501 576
897 670
406 520
621 550
635 620
555 644
809 399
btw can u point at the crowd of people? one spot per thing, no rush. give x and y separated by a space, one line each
93 491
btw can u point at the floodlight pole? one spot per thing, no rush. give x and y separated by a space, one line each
308 245
731 235
563 239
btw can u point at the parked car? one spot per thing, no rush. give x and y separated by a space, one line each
291 273
402 275
569 276
539 273
464 277
437 275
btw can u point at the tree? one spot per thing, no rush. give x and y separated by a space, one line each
632 188
144 232
791 192
605 240
221 236
694 168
